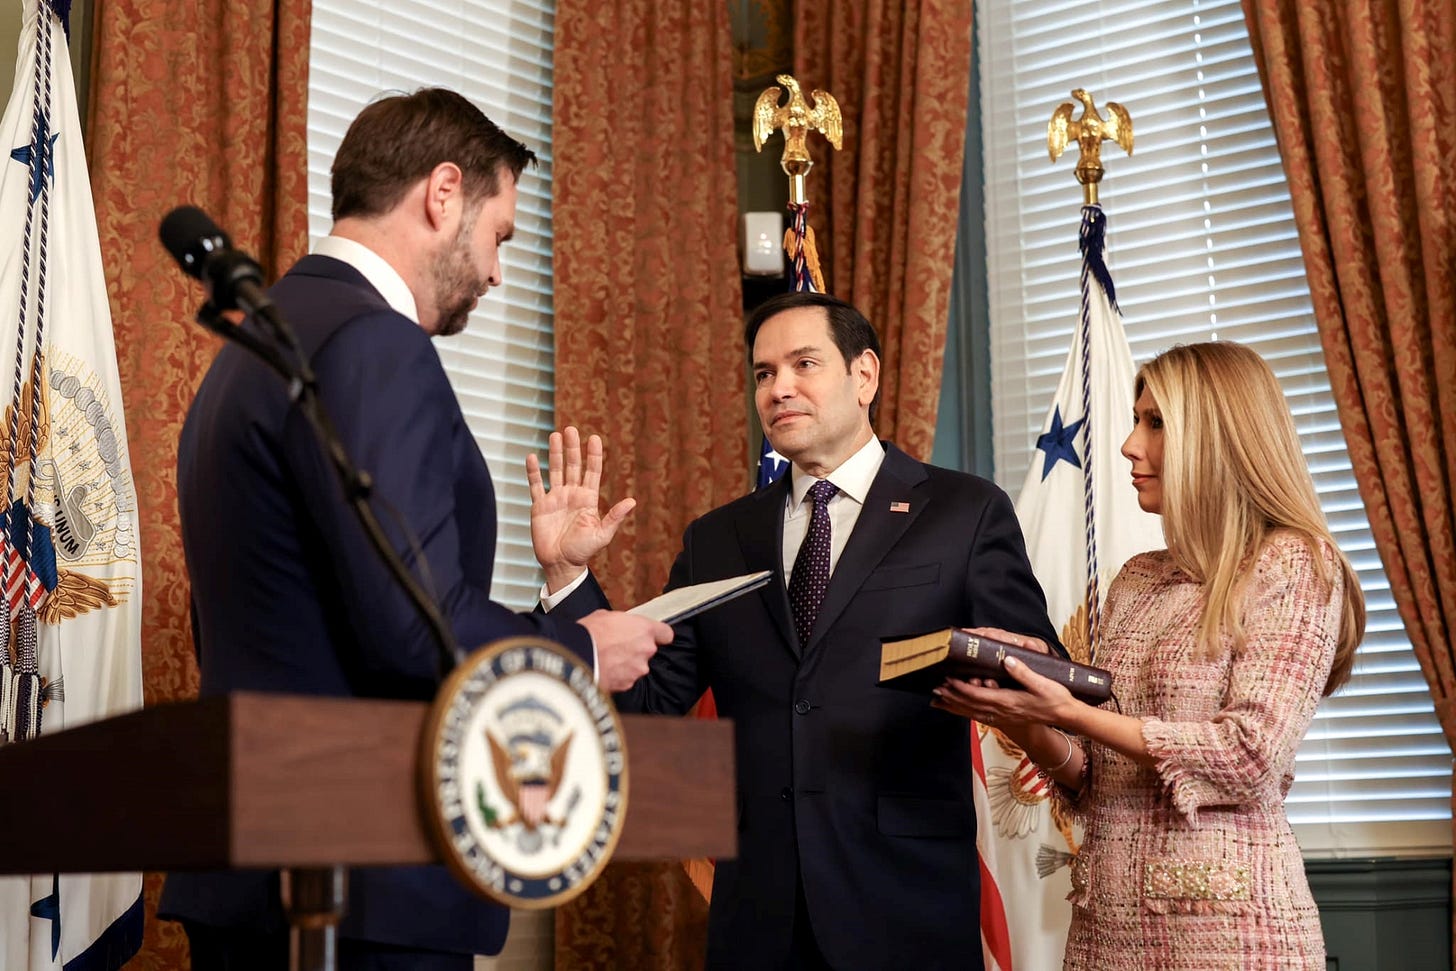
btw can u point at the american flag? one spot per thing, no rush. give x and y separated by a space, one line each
18 583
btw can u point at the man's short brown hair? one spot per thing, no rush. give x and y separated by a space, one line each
397 141
851 332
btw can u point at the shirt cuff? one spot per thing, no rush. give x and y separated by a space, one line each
549 601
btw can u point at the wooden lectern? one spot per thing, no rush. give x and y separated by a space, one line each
285 781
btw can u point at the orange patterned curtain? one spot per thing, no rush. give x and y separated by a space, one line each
885 208
1361 95
648 347
203 103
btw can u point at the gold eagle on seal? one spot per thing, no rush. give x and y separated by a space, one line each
523 782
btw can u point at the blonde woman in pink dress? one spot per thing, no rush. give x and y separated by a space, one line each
1220 647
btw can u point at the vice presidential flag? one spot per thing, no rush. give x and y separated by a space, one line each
70 602
1079 513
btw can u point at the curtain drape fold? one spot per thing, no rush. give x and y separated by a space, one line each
1362 95
885 208
649 352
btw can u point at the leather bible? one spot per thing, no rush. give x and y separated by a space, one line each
921 663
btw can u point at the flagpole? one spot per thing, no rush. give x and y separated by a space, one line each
1027 840
1089 132
797 119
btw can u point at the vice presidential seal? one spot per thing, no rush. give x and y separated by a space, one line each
524 774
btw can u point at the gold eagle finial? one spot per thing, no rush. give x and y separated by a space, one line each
1089 132
797 118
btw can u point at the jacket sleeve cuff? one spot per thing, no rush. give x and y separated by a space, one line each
1187 792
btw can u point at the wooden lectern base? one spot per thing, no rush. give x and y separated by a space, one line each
259 780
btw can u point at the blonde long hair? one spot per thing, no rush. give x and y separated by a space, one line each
1233 471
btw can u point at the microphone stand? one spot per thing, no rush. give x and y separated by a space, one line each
314 897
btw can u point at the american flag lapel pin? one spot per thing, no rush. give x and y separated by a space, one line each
899 507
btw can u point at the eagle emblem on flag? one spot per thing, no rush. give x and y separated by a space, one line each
80 513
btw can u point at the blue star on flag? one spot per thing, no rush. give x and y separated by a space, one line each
49 908
46 149
1060 442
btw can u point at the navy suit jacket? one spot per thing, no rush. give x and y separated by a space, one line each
289 596
861 792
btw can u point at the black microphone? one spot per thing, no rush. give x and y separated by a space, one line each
234 280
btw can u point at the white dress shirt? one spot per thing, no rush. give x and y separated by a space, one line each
853 478
375 269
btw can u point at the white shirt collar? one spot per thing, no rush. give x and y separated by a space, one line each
854 476
375 269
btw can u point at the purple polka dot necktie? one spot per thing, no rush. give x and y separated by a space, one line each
811 567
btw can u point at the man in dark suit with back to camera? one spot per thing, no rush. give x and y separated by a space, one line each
856 828
288 595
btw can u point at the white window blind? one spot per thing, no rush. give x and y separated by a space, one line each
1201 245
497 53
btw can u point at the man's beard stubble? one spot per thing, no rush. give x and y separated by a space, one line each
455 283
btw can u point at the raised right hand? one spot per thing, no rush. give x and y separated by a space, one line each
567 529
625 644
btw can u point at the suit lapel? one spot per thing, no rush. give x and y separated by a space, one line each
761 537
901 479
